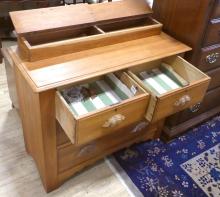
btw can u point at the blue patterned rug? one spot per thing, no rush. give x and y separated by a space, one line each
187 166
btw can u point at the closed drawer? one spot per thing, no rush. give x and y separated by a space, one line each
211 100
82 126
71 155
216 11
209 58
213 33
165 104
215 79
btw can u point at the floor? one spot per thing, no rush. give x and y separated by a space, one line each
18 174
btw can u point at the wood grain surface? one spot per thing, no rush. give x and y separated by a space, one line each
72 68
19 176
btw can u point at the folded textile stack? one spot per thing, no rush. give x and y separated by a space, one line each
162 80
96 95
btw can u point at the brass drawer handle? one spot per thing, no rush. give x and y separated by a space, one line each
195 108
212 58
182 101
114 121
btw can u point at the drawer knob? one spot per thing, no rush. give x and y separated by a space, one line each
113 121
195 108
212 58
182 101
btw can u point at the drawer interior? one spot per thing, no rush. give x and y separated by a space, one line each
99 106
177 87
100 93
134 23
167 75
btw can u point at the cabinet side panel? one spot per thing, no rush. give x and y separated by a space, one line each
38 121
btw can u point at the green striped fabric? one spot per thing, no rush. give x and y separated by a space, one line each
159 82
109 91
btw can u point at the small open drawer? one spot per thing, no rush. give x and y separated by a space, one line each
164 102
128 24
44 45
114 101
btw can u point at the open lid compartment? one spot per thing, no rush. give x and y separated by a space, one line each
77 16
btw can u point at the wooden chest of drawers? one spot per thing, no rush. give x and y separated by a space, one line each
197 23
52 57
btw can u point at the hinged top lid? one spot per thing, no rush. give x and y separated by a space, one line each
76 16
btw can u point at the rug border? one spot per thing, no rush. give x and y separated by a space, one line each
120 173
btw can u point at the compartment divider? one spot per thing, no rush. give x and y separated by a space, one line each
99 29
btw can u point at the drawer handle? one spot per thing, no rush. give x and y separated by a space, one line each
212 58
182 101
195 108
114 120
86 150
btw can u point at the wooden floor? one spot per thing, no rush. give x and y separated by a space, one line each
18 174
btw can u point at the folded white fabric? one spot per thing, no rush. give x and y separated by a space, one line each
158 82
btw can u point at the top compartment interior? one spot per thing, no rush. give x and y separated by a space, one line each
127 24
69 34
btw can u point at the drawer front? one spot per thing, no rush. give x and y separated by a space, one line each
85 128
211 100
215 79
71 155
97 126
213 33
209 58
173 101
216 11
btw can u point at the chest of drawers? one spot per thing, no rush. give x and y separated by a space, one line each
53 56
197 24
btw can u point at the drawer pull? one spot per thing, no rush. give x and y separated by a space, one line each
195 108
113 121
212 58
86 150
182 101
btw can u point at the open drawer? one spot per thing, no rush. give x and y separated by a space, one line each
182 86
100 106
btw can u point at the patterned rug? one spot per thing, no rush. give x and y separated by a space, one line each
187 166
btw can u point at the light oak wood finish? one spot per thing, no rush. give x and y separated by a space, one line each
9 67
70 155
164 105
58 43
33 21
44 112
76 67
83 129
37 113
19 176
